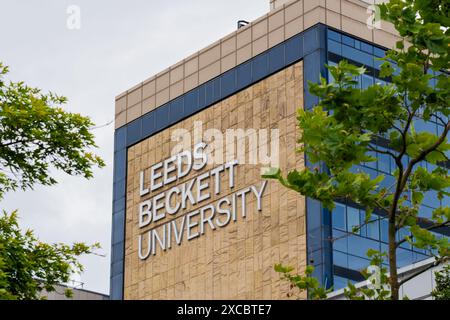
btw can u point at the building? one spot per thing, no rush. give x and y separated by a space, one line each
78 293
419 288
222 241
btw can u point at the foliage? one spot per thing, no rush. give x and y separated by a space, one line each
350 124
442 290
28 266
303 282
377 281
36 134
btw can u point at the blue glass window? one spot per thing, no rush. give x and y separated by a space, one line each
425 212
191 102
117 253
118 225
367 47
119 204
119 188
356 55
134 131
244 75
334 47
117 267
359 246
276 58
340 240
334 35
352 218
148 124
294 49
338 217
384 230
260 67
384 162
117 285
162 117
176 108
201 97
401 235
378 52
120 138
120 159
340 259
357 263
404 257
340 282
228 82
373 229
212 91
367 81
348 41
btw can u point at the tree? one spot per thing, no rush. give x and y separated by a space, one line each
29 266
442 290
38 136
349 124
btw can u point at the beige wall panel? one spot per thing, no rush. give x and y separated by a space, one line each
236 261
134 97
121 105
293 16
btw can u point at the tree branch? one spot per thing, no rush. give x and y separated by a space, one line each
372 148
435 226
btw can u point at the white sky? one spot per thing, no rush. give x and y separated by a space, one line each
119 44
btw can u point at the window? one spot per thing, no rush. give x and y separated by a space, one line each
244 75
191 101
228 82
348 41
148 124
336 36
373 228
339 282
352 218
120 138
259 67
212 91
176 110
120 159
162 117
134 131
276 58
384 230
338 217
357 263
294 50
384 162
340 240
367 81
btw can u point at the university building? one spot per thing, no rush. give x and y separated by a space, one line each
192 217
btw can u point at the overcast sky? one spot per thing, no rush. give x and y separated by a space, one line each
119 44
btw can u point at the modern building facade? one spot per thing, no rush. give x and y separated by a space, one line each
222 240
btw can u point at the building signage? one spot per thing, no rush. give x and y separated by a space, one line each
185 211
